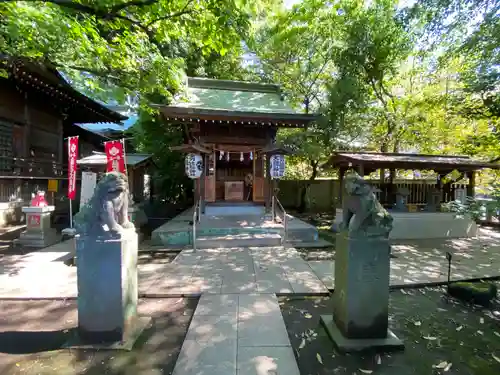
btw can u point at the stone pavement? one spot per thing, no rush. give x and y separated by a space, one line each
237 327
42 274
237 334
424 262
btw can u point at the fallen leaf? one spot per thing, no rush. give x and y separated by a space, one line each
459 328
496 333
318 357
417 323
378 359
17 364
440 309
403 291
430 338
495 357
441 365
480 332
308 316
365 371
481 320
302 344
447 368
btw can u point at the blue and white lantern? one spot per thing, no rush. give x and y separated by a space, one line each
193 165
277 166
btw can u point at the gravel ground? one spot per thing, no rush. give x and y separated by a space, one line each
441 336
32 332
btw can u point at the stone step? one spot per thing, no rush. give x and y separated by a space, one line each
239 240
246 335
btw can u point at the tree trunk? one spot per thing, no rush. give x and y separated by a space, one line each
303 192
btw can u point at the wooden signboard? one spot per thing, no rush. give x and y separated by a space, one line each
52 186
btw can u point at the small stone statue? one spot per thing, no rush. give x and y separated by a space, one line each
363 215
107 211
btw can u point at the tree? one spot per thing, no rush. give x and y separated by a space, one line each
374 47
293 48
137 45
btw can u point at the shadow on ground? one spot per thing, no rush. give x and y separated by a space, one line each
32 333
439 335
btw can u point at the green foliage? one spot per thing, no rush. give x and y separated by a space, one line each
140 46
153 135
385 77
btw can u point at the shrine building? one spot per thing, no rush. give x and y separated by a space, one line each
231 127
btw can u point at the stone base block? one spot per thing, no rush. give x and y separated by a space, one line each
101 340
38 240
346 345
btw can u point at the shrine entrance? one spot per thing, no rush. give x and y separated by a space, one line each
235 174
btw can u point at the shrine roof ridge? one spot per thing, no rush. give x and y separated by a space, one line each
99 158
406 160
222 84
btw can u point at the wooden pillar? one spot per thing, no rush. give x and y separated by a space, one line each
26 144
268 184
472 183
202 184
361 170
27 126
342 172
391 199
131 181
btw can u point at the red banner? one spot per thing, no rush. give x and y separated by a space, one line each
115 156
72 158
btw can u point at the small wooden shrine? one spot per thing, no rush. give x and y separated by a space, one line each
139 167
364 163
232 126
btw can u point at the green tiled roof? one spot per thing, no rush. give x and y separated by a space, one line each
234 96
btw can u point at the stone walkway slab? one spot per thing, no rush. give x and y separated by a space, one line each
237 334
424 261
213 271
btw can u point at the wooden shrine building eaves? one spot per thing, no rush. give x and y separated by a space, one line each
232 102
371 161
44 83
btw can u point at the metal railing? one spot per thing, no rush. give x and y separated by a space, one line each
276 204
196 219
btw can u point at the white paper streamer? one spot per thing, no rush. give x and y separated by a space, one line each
251 155
221 155
241 156
227 156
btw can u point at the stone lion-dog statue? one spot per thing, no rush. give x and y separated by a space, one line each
363 215
107 211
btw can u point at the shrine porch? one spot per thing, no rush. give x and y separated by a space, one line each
231 230
427 225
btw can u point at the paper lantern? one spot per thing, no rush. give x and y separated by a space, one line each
193 165
277 166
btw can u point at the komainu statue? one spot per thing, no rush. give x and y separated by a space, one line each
107 211
363 215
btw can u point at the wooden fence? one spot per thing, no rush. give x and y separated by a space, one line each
324 195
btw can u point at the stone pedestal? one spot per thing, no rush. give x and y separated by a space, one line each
361 297
108 292
39 232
